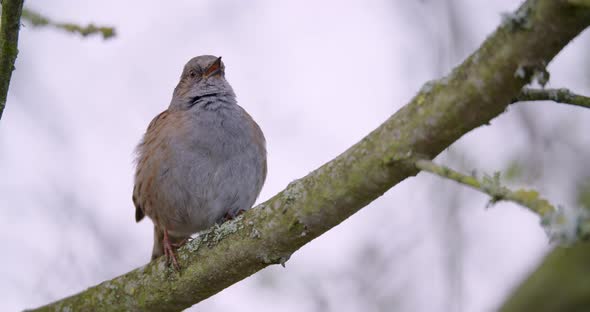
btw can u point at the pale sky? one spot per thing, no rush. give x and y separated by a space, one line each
317 76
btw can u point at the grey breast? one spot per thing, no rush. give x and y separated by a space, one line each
221 169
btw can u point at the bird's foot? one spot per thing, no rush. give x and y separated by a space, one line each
230 216
182 242
169 251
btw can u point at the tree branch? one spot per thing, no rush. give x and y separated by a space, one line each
491 186
38 20
585 3
474 93
559 225
564 96
558 284
9 26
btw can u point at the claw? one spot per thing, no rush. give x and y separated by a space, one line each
181 243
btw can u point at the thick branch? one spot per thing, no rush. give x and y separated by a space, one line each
558 284
564 96
477 91
11 11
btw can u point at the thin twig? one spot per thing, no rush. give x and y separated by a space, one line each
491 186
563 96
38 20
562 226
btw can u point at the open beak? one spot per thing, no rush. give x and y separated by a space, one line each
214 69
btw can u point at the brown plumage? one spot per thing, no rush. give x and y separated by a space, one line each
200 160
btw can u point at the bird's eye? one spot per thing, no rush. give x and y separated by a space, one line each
193 74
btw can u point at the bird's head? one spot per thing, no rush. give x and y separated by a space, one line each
202 76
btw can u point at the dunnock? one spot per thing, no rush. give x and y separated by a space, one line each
201 161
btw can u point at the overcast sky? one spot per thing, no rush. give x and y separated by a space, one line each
317 76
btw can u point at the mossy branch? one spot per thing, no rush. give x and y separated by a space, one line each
492 186
563 96
558 224
38 20
474 93
585 3
558 284
10 23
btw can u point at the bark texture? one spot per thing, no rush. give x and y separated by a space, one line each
9 27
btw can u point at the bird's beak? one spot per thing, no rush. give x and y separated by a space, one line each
214 69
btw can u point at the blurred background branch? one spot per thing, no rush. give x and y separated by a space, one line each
10 24
36 19
560 283
580 2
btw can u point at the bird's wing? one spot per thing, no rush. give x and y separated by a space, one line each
154 124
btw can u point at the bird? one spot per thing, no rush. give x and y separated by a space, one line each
200 162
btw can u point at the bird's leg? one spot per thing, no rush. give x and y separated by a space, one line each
169 251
